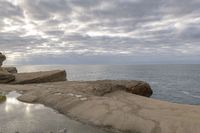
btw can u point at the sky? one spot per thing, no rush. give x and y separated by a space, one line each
100 31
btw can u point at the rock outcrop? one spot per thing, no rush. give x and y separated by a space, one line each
10 69
40 77
10 75
5 76
141 88
2 58
115 110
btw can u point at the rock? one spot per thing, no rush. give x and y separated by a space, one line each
116 110
6 77
10 69
2 58
40 77
142 88
100 89
63 131
103 87
28 97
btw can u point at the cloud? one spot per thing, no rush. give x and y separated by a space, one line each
104 31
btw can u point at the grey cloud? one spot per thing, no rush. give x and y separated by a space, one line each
191 32
104 31
180 7
44 9
9 10
86 3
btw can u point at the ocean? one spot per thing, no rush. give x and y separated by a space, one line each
173 83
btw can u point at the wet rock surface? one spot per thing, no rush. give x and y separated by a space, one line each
115 109
20 117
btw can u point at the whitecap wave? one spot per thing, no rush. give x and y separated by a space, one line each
188 93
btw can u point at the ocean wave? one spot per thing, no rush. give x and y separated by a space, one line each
188 93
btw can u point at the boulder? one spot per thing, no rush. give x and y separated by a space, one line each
141 88
6 77
40 77
10 69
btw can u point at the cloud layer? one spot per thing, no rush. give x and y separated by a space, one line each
100 31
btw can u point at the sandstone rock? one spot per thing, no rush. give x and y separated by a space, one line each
30 98
2 58
6 77
116 110
10 69
103 87
100 89
40 77
141 88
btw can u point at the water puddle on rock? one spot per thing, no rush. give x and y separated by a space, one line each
19 117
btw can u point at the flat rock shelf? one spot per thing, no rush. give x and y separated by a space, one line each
19 117
109 105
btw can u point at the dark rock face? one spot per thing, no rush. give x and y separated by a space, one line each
2 58
10 69
6 77
40 77
142 88
104 87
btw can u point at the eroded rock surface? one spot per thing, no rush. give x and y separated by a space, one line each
10 75
2 58
10 69
40 77
5 76
115 109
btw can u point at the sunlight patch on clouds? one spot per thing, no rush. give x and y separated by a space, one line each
99 27
15 2
10 26
30 27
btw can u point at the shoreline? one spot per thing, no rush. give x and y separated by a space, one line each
118 110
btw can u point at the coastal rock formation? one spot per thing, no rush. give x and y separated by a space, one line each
5 76
40 77
2 58
116 111
10 75
141 88
10 69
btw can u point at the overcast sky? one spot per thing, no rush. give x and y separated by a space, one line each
100 31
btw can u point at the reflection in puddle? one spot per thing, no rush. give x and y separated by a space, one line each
16 116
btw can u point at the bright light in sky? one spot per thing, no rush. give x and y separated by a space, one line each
100 30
